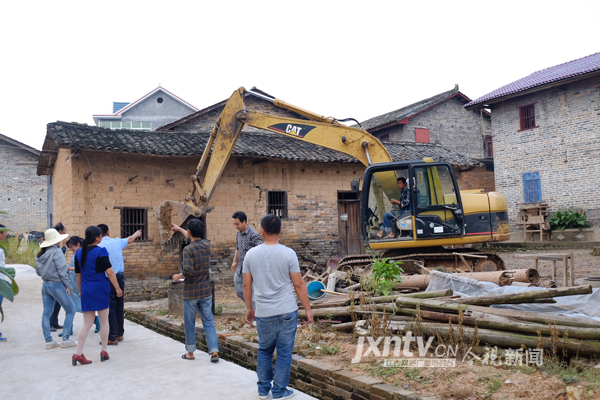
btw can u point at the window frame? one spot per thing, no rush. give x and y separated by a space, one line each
522 118
420 132
488 146
283 203
124 233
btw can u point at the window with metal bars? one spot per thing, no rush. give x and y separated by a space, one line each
488 146
132 220
277 204
527 116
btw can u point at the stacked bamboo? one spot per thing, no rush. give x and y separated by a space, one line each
437 311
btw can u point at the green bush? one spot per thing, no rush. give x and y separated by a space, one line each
569 219
386 273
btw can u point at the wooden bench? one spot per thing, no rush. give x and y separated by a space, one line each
566 258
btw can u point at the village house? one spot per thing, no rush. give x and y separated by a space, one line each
156 108
26 198
442 119
546 129
120 178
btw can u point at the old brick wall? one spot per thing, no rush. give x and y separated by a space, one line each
450 125
23 194
311 229
475 178
565 148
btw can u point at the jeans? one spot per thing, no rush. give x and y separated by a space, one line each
116 314
54 316
56 292
190 308
387 220
238 281
277 332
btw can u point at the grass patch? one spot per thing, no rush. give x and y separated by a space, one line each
25 254
329 349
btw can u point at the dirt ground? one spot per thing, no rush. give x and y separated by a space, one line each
551 380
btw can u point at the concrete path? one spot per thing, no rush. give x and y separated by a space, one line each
145 365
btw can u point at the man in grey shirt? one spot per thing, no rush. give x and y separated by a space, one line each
272 274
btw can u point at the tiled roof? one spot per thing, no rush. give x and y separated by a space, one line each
411 110
557 73
86 137
117 105
19 144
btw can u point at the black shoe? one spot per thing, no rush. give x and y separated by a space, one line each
52 329
58 326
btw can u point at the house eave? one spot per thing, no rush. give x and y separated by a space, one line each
488 103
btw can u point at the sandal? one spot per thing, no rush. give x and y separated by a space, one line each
185 357
390 237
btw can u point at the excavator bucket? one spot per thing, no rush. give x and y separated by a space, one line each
169 213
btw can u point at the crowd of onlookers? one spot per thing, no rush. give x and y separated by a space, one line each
266 275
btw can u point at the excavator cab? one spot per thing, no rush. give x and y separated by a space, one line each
434 211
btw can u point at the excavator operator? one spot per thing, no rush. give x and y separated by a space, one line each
403 203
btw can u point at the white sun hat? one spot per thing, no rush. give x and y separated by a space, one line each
52 237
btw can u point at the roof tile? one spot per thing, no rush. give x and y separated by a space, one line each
86 137
559 72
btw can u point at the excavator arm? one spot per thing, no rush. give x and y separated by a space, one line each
322 131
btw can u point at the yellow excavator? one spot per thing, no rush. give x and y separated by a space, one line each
432 232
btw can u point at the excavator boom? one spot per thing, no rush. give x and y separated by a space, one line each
320 130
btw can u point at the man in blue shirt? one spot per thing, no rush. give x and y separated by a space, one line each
116 314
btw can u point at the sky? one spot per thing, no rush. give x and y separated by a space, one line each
68 60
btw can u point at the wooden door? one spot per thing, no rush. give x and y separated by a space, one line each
349 224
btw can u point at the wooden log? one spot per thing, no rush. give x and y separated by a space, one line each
500 278
513 340
526 316
547 283
489 321
420 281
332 292
524 297
523 284
524 275
344 326
420 295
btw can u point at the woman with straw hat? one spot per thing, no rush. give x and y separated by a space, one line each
51 265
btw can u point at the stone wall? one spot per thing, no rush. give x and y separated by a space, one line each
23 194
450 125
564 147
318 379
311 227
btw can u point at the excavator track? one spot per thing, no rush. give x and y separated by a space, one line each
450 260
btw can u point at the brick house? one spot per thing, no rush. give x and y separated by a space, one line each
546 129
443 120
25 196
154 109
117 177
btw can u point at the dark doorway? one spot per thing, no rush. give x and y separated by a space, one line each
349 223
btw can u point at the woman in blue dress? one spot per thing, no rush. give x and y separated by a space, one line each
74 244
94 272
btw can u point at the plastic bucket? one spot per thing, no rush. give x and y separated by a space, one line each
315 290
